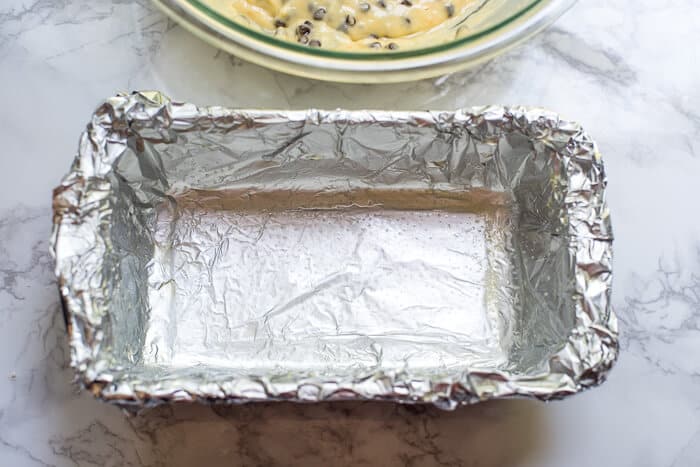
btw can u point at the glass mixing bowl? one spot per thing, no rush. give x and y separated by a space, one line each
493 27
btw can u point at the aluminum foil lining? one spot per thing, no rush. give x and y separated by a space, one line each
220 255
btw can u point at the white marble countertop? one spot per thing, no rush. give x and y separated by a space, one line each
629 70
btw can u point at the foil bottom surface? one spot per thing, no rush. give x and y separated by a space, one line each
336 290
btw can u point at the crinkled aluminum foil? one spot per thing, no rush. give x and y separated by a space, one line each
224 255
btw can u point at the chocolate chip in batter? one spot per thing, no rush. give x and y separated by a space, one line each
314 43
392 46
407 20
375 45
364 7
303 30
406 3
280 24
350 20
319 14
381 3
450 10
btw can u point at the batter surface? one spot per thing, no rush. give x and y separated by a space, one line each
352 25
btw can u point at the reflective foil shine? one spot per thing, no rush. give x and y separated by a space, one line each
218 255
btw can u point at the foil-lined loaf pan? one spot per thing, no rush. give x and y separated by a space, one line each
219 255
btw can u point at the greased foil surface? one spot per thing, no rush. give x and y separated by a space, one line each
219 255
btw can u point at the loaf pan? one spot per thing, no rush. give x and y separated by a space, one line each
227 256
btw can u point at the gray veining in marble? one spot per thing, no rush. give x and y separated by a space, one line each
629 70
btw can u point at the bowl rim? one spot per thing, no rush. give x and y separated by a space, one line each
286 56
227 22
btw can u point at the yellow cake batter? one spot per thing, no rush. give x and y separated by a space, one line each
352 25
